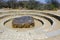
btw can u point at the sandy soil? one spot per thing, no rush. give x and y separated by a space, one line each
37 33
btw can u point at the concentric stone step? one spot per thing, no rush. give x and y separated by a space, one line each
47 25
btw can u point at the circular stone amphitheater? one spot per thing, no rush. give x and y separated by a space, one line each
45 26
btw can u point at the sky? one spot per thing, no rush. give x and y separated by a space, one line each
44 1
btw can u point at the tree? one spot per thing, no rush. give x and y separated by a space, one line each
12 3
32 4
1 4
51 4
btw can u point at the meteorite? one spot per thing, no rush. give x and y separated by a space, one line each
23 22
